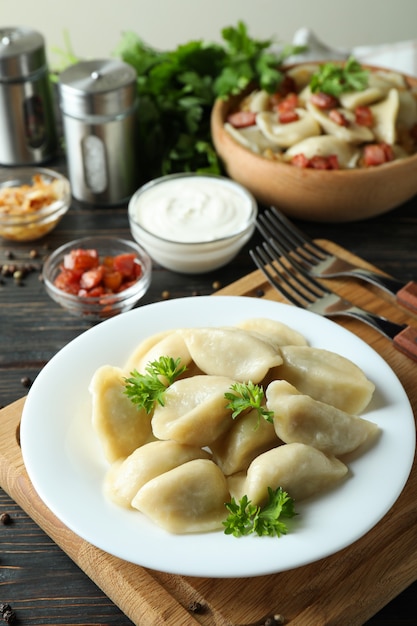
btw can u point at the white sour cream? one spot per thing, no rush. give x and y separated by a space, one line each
193 209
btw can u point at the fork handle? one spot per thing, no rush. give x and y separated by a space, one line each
407 296
406 342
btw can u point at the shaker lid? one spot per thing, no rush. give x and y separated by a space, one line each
98 87
22 52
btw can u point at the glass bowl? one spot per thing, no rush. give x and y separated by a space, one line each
192 223
32 202
97 292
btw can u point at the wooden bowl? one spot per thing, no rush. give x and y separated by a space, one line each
314 195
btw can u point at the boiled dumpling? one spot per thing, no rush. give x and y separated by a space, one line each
286 135
257 101
125 478
169 343
299 469
189 498
385 117
250 137
249 436
352 133
326 145
277 333
120 425
231 352
326 376
300 418
194 411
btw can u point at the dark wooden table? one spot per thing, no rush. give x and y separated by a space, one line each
36 578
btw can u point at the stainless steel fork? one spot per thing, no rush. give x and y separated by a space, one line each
314 259
304 291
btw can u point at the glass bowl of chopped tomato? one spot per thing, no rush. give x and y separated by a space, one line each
32 202
97 277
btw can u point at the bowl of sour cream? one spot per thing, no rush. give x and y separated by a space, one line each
192 223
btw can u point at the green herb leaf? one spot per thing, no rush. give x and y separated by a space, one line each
245 518
247 396
145 390
336 79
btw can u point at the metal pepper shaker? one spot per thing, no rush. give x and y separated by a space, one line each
98 102
27 123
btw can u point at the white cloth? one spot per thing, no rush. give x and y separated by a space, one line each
400 56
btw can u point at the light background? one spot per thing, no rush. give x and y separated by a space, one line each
95 26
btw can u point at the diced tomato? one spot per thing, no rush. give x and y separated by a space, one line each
324 101
81 260
337 116
242 119
377 153
364 116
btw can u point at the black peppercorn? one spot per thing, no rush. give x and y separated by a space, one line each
5 519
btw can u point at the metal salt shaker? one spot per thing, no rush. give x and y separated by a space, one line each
98 102
27 121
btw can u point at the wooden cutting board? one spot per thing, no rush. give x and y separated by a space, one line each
346 588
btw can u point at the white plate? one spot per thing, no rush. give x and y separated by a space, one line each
66 466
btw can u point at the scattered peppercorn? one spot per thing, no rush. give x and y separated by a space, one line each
274 620
196 607
260 293
33 254
165 295
9 254
26 382
9 616
5 519
217 284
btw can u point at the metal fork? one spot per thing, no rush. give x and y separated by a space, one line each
304 291
318 262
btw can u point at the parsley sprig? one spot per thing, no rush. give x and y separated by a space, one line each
336 79
247 396
246 518
145 390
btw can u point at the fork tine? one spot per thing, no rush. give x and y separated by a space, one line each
307 252
301 290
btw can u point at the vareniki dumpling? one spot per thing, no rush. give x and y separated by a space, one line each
194 411
300 418
189 498
275 332
125 478
231 352
120 425
326 376
299 469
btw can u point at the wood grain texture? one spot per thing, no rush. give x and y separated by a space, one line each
344 589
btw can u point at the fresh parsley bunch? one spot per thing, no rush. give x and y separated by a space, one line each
177 90
145 390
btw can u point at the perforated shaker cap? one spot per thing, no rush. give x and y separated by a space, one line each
22 53
104 87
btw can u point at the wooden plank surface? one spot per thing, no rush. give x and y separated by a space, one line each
346 588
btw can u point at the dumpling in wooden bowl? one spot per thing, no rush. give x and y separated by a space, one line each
187 499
